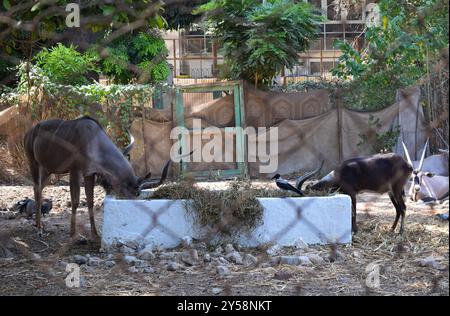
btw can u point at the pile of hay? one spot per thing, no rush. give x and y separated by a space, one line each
229 211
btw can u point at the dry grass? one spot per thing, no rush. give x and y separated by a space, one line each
397 258
229 211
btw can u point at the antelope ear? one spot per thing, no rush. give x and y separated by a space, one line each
142 178
429 174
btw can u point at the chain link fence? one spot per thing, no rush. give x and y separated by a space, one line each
397 255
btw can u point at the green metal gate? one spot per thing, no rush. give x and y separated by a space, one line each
236 87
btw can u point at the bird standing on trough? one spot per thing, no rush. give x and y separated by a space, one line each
283 184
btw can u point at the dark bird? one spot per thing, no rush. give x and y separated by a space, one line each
27 206
283 184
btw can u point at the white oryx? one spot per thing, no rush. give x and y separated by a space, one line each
429 180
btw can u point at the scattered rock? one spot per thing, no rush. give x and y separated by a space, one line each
127 250
274 261
186 241
234 257
222 270
229 249
336 255
173 266
78 259
110 263
190 257
146 253
35 256
94 261
216 290
357 254
129 259
207 257
148 270
290 260
300 244
201 246
249 259
315 258
304 261
274 250
133 269
218 250
223 261
62 264
167 255
283 275
432 262
140 264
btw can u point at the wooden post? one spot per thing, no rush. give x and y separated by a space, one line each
174 58
214 51
339 124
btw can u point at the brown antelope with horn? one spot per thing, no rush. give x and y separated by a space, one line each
381 173
429 179
80 148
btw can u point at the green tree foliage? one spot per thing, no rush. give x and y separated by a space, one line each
411 33
145 50
65 65
178 13
259 39
28 26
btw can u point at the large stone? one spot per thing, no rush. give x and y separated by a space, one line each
290 260
222 270
190 257
249 259
94 261
315 258
234 257
432 262
129 259
229 249
78 259
146 253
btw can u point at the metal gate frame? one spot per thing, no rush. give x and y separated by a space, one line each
237 87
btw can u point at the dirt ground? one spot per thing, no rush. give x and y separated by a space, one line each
36 265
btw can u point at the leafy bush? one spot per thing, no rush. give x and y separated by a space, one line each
49 99
258 40
65 65
410 35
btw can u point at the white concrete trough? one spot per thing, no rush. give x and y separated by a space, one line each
163 223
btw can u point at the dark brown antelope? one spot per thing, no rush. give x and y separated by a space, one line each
80 148
381 173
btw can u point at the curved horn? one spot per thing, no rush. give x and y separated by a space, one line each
127 149
142 178
407 154
423 154
302 179
153 184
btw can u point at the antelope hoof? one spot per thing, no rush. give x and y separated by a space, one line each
95 238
